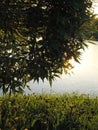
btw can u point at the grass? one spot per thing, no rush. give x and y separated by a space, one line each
49 112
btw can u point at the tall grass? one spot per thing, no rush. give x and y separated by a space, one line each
47 112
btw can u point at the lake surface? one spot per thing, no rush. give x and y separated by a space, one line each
83 78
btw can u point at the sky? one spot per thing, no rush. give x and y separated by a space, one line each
95 6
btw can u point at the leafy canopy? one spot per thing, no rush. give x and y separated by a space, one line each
38 38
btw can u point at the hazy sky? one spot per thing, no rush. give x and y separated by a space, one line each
95 6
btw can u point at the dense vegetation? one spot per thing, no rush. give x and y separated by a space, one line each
39 37
44 112
95 33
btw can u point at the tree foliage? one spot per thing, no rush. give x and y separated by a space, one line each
38 38
95 33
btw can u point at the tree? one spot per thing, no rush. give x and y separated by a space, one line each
38 38
95 33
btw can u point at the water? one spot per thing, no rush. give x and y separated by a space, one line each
83 80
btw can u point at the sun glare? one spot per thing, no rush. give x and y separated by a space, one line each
95 7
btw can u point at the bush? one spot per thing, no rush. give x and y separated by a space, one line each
44 112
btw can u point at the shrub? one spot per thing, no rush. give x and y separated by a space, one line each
45 112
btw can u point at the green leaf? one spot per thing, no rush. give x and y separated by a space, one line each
28 87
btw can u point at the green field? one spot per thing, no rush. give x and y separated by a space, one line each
49 112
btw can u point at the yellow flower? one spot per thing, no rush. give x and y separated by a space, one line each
71 105
16 118
22 110
45 122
